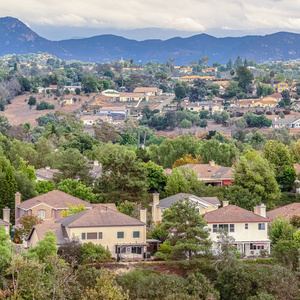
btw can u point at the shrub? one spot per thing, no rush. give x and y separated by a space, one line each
202 123
185 124
94 253
44 105
268 113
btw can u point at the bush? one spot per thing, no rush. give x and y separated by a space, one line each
44 105
286 112
185 124
268 113
202 123
94 253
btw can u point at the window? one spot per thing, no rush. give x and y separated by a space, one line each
91 235
100 235
215 227
261 226
246 226
223 226
83 235
42 214
137 250
120 235
231 227
136 234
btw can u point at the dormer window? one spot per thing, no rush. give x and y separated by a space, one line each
42 214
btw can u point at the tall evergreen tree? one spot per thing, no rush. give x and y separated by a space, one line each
229 65
7 193
238 63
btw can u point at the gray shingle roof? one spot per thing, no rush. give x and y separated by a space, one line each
167 202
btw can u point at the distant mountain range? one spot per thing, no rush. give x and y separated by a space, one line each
17 38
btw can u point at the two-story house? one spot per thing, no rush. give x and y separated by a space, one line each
202 204
124 236
281 86
48 206
249 229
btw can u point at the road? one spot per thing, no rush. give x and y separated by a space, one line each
162 104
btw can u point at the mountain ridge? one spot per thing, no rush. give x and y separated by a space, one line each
17 38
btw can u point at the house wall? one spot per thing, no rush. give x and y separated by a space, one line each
243 237
33 240
110 236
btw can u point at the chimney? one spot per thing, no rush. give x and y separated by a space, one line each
257 210
48 168
225 202
263 210
96 163
6 214
155 210
143 215
17 202
212 163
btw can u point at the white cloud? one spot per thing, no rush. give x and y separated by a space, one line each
186 15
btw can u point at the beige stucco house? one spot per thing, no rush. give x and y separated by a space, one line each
6 219
202 204
127 97
149 91
103 225
249 229
287 211
48 206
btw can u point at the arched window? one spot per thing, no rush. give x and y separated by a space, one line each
42 214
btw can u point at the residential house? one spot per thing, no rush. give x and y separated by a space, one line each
266 103
68 100
124 236
249 229
114 111
148 91
203 105
286 211
202 204
185 70
189 78
6 220
212 173
286 122
210 70
276 96
281 86
90 120
132 97
72 88
48 206
45 173
45 89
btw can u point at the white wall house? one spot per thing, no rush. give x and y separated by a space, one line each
249 229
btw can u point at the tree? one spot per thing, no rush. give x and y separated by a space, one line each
276 153
106 132
244 77
198 91
254 173
130 209
238 63
188 159
5 250
190 238
185 124
221 117
287 252
181 90
89 84
242 197
43 187
286 175
26 223
171 121
8 190
156 178
229 65
233 90
106 288
182 180
32 101
203 60
44 248
280 229
123 176
286 98
94 253
72 209
77 189
72 165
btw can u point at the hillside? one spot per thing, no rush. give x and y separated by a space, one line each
16 37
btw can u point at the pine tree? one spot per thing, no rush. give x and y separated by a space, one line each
7 193
229 65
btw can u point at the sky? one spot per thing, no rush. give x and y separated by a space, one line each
142 19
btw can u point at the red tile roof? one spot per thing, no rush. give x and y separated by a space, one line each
56 199
233 214
286 211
